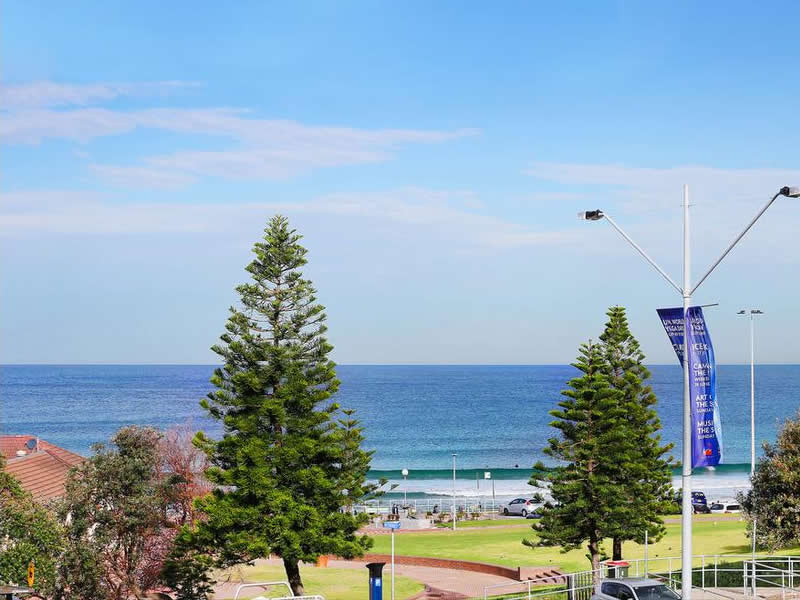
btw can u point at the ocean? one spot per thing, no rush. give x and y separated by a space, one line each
494 418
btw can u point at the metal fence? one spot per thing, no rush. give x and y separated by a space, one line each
721 575
574 586
776 573
421 507
273 590
713 570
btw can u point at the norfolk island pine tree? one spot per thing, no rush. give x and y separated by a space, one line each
590 433
642 469
774 497
289 461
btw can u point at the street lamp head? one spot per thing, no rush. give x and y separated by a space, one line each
790 192
741 312
591 215
757 311
405 472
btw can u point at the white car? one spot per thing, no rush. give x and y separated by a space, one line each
725 506
521 506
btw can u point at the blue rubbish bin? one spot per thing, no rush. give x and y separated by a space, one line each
375 580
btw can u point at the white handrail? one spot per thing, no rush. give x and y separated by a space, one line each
263 584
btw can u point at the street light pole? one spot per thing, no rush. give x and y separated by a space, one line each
686 292
405 488
752 312
686 466
454 491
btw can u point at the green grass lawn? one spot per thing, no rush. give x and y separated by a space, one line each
503 545
334 584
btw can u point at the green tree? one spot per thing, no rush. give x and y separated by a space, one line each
591 433
774 497
187 571
30 532
117 529
285 468
643 468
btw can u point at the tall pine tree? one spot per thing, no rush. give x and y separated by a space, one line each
773 501
590 423
288 464
643 471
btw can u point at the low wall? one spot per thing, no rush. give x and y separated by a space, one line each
517 574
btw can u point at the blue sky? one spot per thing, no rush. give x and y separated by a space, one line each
434 155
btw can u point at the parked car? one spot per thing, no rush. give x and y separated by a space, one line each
521 506
699 502
634 589
725 506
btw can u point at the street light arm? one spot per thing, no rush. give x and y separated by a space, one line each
644 254
736 241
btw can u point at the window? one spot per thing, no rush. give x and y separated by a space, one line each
610 589
625 593
656 592
619 591
733 507
717 506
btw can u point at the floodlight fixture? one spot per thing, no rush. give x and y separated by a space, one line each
790 192
591 215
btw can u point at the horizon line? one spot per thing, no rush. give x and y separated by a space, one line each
360 364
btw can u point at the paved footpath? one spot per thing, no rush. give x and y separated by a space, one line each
452 580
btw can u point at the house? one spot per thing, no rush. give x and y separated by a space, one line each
40 467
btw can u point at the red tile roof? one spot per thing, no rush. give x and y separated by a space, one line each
41 471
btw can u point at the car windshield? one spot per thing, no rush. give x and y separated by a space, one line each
656 592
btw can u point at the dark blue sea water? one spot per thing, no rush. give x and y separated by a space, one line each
416 417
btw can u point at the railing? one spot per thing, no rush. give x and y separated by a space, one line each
425 505
575 586
758 573
714 574
711 570
265 585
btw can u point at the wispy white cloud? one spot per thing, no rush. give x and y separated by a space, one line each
38 94
258 148
641 188
435 214
647 201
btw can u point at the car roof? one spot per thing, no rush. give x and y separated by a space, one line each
634 581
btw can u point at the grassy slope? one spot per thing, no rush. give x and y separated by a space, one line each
334 584
502 545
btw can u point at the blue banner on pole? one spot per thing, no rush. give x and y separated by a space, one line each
706 426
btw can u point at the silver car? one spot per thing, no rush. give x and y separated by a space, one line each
521 506
634 588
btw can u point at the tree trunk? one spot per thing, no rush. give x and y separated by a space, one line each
617 551
292 568
594 555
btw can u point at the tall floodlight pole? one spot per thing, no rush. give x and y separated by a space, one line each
686 462
752 312
454 491
686 292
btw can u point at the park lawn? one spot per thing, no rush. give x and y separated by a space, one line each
333 584
503 545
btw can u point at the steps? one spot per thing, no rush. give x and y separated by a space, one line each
432 593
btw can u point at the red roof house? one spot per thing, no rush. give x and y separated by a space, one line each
40 467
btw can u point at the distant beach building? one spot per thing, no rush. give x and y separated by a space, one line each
40 467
